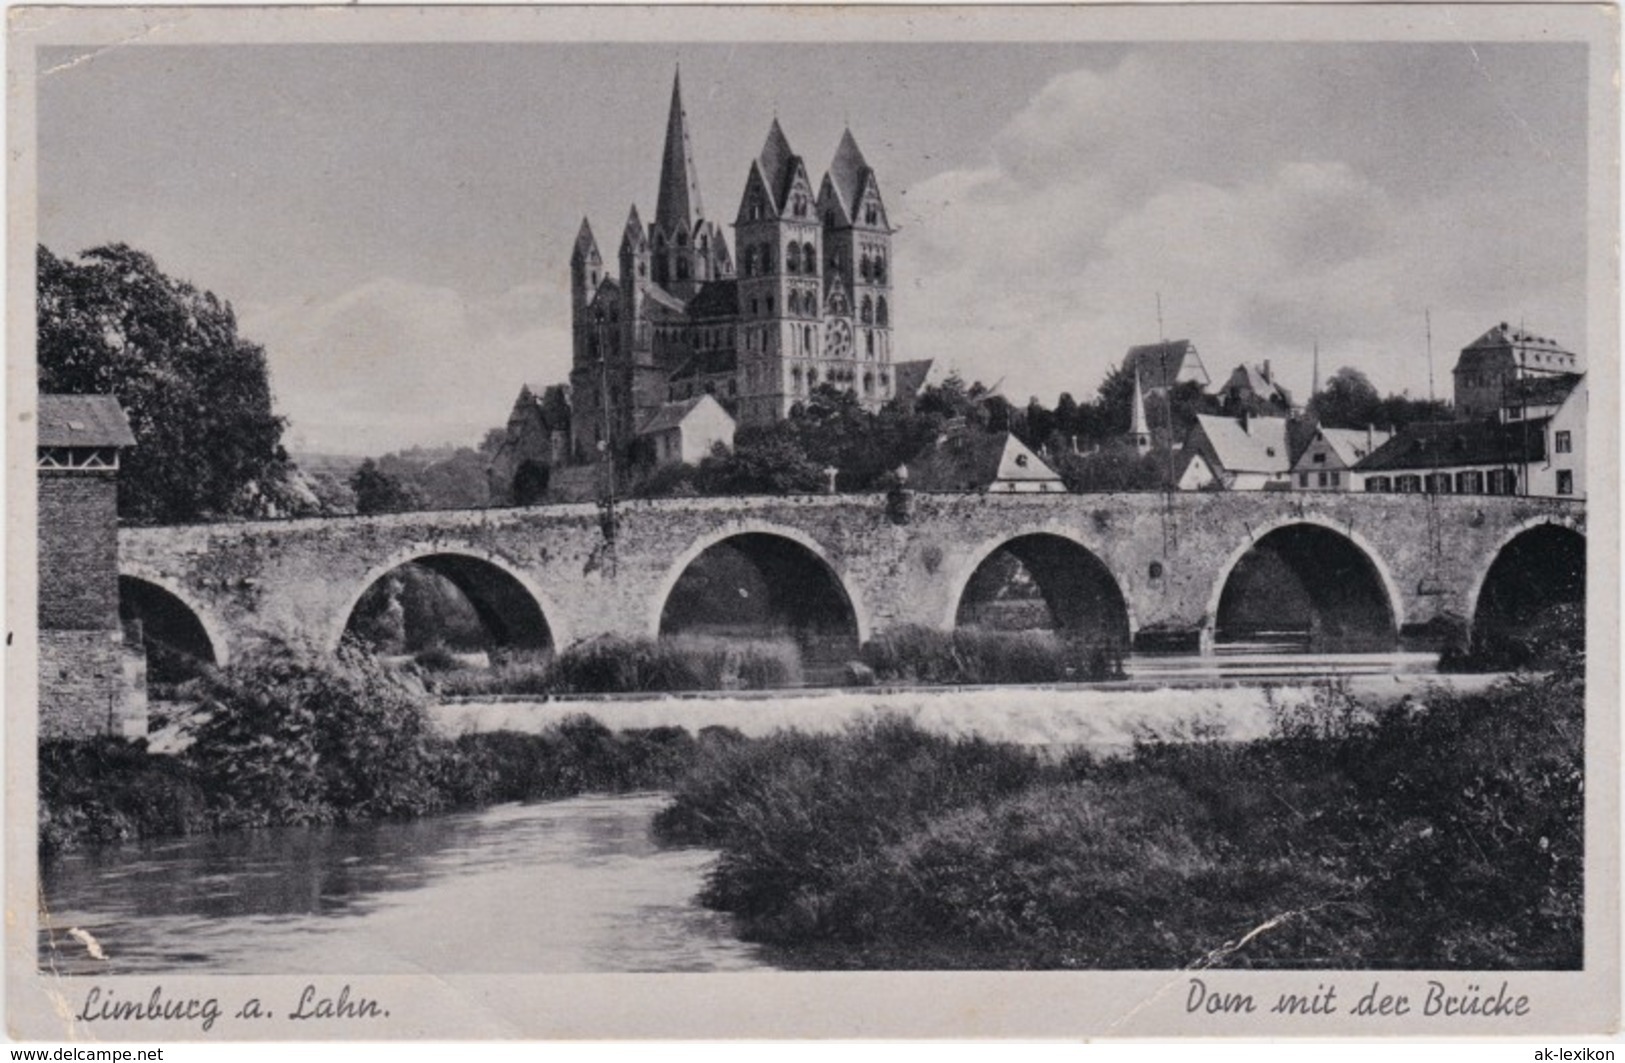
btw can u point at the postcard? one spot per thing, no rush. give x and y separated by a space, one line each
812 522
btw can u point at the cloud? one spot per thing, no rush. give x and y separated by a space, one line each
1182 177
393 363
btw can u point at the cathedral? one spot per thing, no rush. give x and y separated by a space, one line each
806 302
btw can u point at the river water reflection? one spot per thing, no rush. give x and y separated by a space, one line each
562 886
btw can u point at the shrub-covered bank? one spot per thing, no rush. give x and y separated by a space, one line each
628 666
1396 836
285 740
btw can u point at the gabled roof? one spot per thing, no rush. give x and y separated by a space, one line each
1504 335
83 421
665 300
1540 390
910 377
678 204
1253 379
975 461
1159 364
1353 445
1452 444
715 299
673 414
1261 445
847 171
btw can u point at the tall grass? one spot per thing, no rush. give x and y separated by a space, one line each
915 654
1402 836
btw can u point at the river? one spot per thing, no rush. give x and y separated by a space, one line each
563 886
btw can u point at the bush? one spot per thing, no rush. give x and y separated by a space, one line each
914 654
105 790
288 739
625 666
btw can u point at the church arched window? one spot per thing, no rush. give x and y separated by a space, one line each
867 313
863 267
871 215
880 269
869 342
809 258
682 268
868 383
882 318
792 261
806 338
682 238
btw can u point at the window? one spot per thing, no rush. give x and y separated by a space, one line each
863 267
1303 479
1320 458
868 311
869 342
880 269
1565 481
1564 443
1376 484
1336 479
1500 482
1320 479
792 260
882 317
871 216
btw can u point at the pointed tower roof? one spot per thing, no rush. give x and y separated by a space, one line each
1139 427
776 161
679 200
634 238
848 169
586 247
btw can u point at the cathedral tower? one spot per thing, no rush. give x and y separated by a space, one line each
780 314
857 258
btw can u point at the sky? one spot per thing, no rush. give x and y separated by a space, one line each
393 222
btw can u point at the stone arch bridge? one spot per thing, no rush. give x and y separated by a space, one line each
1191 569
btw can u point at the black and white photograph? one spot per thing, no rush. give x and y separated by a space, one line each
985 522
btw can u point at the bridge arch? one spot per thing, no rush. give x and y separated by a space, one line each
141 590
1048 548
756 532
1352 552
1559 546
503 596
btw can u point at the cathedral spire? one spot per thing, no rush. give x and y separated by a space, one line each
679 200
586 247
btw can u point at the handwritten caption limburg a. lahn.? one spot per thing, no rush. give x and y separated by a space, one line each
1436 999
106 1005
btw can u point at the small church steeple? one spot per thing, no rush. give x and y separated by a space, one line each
1140 430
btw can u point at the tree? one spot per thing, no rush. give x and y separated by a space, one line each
377 491
1347 401
197 394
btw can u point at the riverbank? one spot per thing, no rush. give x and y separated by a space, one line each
1352 834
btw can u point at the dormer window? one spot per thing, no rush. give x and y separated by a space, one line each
871 216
